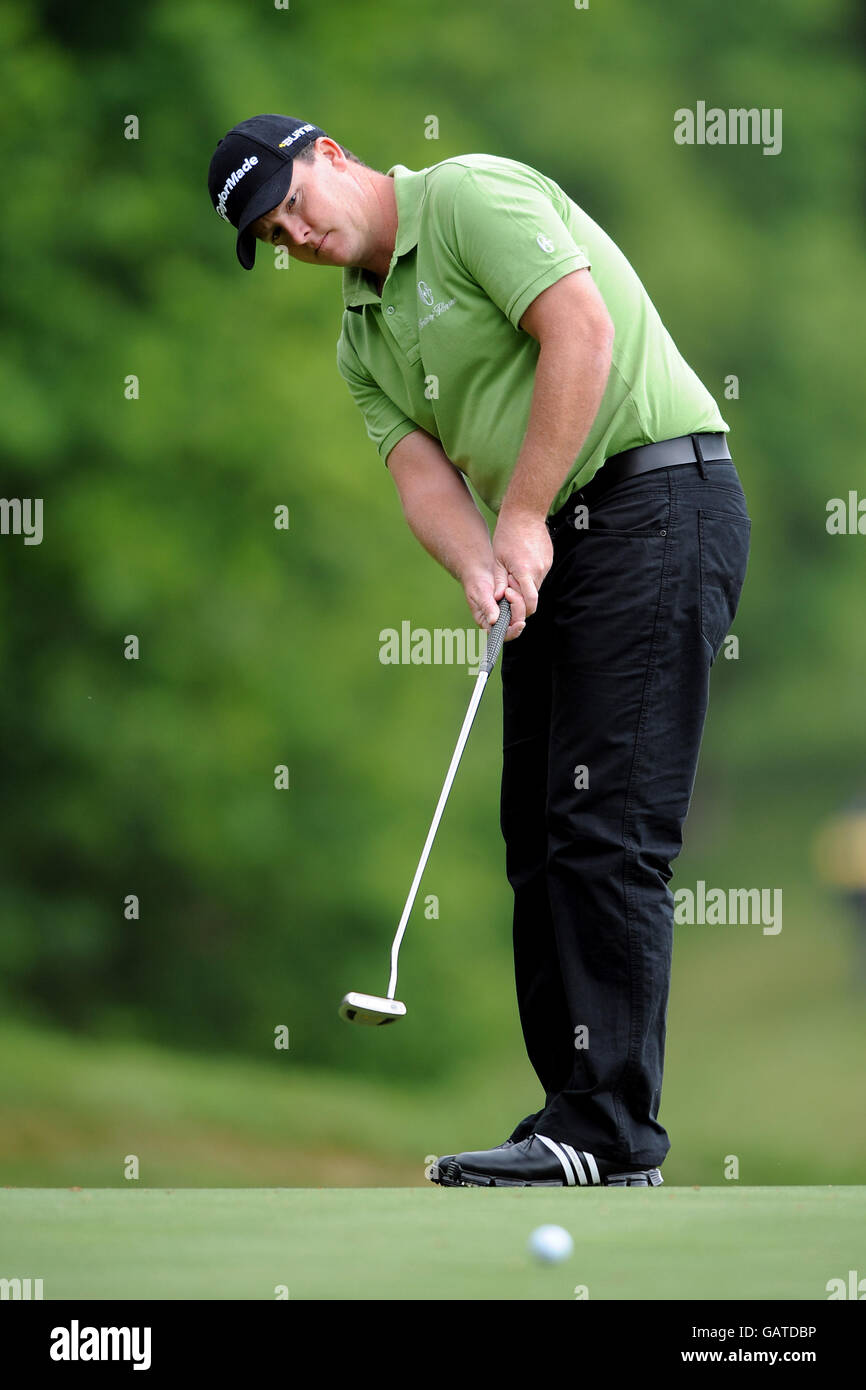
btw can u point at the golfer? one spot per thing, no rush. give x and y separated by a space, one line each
494 334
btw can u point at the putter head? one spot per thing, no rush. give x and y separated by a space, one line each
371 1009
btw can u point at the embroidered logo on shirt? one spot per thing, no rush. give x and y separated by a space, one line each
544 242
425 292
438 309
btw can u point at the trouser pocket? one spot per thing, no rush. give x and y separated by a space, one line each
724 554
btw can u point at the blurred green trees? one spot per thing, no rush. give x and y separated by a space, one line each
258 646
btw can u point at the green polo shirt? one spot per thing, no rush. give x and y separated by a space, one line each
478 239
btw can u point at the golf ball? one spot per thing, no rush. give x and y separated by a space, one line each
551 1243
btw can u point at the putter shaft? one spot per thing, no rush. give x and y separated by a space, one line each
495 639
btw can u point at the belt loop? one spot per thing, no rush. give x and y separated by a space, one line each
696 441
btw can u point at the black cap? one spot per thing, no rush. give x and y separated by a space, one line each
251 172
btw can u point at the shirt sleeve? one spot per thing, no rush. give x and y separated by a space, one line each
386 424
511 238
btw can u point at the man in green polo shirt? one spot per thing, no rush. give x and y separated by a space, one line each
494 335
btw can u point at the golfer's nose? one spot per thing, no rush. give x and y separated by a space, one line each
299 233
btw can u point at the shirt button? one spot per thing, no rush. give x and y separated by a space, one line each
390 309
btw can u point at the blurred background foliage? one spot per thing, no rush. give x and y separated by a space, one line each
260 647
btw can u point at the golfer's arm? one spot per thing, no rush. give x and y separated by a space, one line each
438 506
575 334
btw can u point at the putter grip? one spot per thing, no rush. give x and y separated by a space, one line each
496 635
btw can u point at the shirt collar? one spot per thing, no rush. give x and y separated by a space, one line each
409 191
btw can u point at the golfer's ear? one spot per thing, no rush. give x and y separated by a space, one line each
329 149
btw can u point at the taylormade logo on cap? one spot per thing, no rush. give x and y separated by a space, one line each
231 182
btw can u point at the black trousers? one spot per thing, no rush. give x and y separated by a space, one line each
605 696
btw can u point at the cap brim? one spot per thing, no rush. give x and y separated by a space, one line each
271 193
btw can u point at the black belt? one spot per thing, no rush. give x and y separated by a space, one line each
668 453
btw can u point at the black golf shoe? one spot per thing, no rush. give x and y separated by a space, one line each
537 1162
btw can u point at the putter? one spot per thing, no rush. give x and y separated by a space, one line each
372 1009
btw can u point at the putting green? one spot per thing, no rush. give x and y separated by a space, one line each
430 1243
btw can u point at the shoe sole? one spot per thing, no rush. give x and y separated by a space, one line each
450 1174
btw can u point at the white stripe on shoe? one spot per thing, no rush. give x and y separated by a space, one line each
554 1148
578 1166
593 1168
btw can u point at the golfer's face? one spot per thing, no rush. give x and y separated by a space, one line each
315 219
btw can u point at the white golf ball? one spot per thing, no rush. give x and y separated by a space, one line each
551 1243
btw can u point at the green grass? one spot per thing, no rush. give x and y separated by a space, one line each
756 1081
763 1060
431 1243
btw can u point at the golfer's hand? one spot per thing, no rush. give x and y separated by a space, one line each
479 586
522 556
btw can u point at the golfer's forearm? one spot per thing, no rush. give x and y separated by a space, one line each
570 379
438 506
